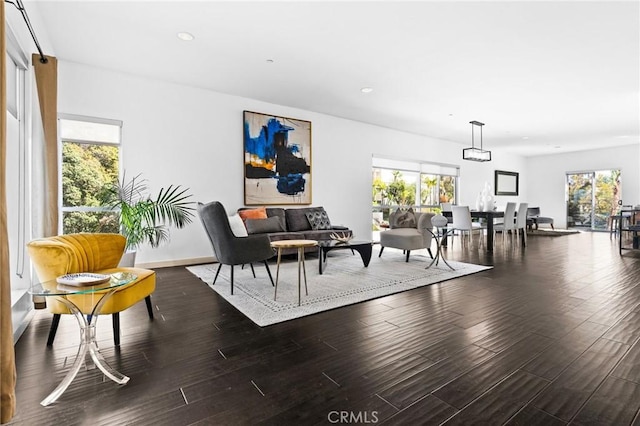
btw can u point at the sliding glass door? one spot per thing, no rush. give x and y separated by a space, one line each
591 198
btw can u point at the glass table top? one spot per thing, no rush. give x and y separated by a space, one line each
53 288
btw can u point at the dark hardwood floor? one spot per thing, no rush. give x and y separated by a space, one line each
550 336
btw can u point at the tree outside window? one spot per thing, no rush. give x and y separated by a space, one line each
90 163
393 188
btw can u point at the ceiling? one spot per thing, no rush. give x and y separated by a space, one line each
545 77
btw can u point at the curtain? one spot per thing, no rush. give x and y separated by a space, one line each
46 203
7 353
47 82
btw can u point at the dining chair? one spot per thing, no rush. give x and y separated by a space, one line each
521 222
508 224
462 222
446 207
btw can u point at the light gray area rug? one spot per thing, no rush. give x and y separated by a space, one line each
345 281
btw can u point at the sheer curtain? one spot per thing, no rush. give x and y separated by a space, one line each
7 353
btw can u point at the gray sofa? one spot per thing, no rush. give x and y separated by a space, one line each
295 224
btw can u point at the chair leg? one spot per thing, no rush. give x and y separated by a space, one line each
408 252
116 328
381 248
54 328
430 254
252 270
232 280
149 307
266 265
217 272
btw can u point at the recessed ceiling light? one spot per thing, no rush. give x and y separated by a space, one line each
525 137
366 90
185 36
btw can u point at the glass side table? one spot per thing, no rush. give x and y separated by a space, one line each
88 343
442 232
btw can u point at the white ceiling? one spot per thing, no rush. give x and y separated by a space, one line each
545 77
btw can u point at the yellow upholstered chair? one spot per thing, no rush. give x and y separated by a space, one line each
98 253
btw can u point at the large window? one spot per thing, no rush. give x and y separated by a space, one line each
592 198
90 163
423 186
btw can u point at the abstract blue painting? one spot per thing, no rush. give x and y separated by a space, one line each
277 160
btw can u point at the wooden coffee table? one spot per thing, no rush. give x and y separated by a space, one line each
300 245
362 247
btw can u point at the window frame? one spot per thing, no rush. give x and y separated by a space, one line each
420 168
87 119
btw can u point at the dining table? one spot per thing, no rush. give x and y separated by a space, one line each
488 217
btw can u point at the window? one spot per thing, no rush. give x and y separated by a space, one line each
90 164
423 186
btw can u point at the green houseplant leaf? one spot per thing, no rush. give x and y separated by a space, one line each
144 219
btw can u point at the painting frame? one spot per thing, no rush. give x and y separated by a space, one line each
277 154
506 183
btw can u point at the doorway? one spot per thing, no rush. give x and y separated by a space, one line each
592 197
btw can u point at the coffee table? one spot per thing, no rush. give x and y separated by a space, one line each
362 247
88 343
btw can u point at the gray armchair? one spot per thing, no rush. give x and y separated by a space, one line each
407 233
229 249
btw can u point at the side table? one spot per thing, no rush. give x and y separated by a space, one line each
300 245
88 343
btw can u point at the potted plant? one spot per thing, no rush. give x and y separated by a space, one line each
144 219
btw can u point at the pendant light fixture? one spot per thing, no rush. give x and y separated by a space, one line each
473 153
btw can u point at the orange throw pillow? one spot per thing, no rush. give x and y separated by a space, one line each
259 213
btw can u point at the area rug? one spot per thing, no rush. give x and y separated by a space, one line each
551 232
345 281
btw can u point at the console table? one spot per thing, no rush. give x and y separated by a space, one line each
88 343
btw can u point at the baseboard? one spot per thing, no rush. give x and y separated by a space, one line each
177 262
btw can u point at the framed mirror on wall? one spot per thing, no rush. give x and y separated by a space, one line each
506 183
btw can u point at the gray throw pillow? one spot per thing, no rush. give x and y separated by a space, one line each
318 219
263 226
404 219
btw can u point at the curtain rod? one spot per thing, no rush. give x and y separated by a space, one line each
18 5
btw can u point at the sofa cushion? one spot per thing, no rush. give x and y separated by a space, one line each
297 218
279 213
263 226
237 226
318 219
403 218
259 213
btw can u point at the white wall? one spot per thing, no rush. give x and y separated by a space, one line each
176 134
547 177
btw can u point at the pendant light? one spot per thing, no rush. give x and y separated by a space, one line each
473 153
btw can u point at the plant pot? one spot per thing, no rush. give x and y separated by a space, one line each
128 259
